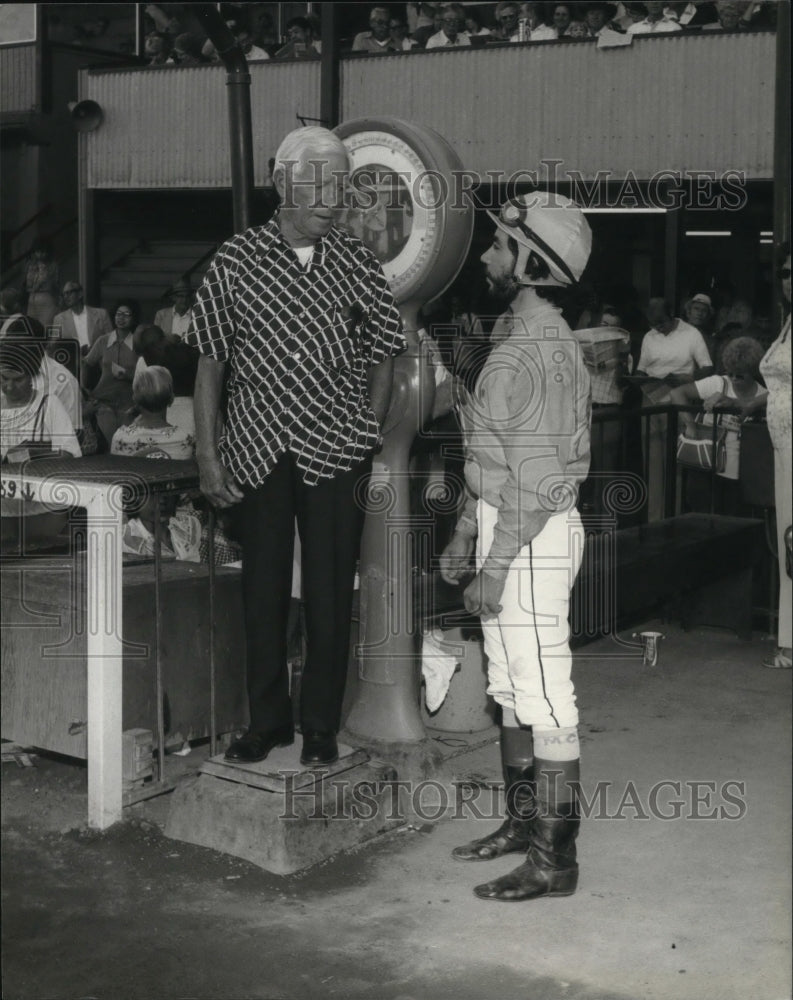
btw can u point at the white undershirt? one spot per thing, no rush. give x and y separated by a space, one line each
304 255
80 320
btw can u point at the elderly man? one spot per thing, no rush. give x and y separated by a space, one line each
85 324
526 429
377 40
175 319
298 317
452 33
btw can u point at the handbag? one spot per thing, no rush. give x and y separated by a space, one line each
698 450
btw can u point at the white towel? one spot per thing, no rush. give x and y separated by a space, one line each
438 665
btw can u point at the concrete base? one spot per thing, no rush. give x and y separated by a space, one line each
281 816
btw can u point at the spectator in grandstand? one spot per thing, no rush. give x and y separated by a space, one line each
80 322
577 29
562 19
729 17
264 30
42 283
597 16
420 16
115 356
474 27
300 44
691 15
251 51
507 16
152 394
530 17
628 14
175 319
187 51
398 31
452 31
656 21
157 48
377 40
760 15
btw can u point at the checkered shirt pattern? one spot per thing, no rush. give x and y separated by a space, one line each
298 361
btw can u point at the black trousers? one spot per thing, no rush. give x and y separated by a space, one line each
330 519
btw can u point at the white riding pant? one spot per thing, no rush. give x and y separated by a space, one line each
527 644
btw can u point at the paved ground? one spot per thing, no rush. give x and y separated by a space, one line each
688 908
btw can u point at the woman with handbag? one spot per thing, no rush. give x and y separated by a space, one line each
697 451
775 369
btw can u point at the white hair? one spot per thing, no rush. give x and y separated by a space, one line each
152 388
308 143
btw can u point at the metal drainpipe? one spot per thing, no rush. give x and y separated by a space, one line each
781 149
240 132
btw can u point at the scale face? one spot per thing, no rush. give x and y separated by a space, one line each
403 182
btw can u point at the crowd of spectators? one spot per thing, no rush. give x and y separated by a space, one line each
394 28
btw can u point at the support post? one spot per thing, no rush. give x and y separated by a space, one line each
330 87
104 631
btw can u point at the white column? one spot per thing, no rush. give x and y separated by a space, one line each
104 631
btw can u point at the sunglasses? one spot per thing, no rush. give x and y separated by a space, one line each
783 273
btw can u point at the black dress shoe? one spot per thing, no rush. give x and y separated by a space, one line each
319 748
255 746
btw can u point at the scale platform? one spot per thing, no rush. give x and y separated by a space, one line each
280 815
282 768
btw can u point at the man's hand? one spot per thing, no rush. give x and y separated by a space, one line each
217 483
456 557
482 596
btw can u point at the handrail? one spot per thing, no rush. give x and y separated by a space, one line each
48 237
41 212
200 261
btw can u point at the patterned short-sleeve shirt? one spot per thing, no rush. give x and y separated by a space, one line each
299 343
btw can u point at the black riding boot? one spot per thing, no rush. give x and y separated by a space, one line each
518 770
550 868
